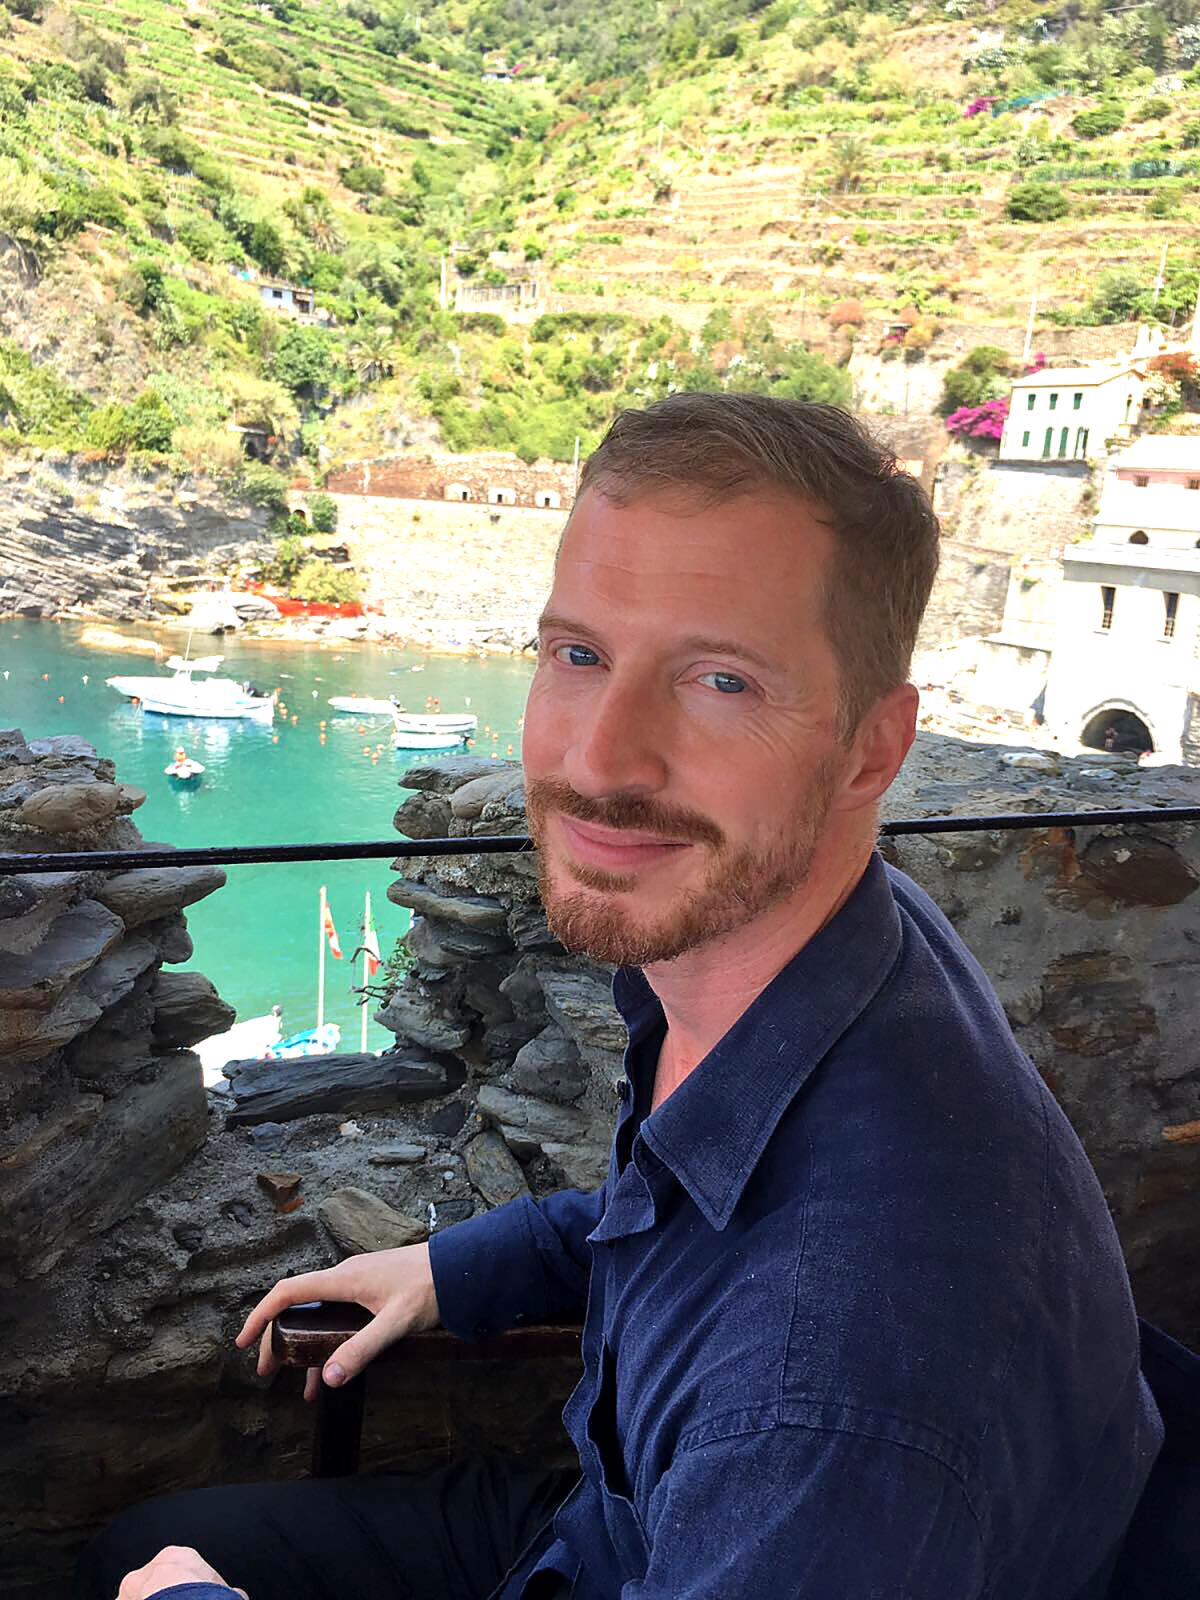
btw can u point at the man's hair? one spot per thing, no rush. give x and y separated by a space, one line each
717 446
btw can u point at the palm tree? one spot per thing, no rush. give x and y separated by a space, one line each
849 158
372 355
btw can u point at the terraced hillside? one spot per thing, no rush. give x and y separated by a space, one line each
698 189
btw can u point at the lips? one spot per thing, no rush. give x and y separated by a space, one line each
615 849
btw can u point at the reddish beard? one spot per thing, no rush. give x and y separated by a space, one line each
598 914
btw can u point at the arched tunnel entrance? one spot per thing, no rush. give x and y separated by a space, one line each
1114 729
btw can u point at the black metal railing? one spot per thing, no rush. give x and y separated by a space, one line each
510 844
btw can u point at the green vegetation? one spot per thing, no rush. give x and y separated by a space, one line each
180 172
981 375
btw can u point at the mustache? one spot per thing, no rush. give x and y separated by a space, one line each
621 811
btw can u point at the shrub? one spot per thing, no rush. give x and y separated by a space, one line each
290 556
1106 118
1190 138
319 580
208 447
144 424
1151 110
262 485
143 285
846 314
976 379
322 513
1035 202
302 361
364 180
984 421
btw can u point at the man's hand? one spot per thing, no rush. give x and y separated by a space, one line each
174 1565
397 1285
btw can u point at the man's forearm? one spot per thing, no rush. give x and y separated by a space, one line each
525 1262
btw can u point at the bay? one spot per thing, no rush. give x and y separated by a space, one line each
257 938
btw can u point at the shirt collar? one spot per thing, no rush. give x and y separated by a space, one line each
712 1131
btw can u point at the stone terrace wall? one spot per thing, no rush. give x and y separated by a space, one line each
118 1377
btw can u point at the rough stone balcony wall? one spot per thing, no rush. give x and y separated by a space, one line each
141 1217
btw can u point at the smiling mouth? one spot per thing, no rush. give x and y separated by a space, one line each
616 849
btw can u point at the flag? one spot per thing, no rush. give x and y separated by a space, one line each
370 945
331 933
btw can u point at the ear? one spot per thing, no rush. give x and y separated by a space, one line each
881 742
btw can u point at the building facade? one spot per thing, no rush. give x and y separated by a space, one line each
1072 413
1124 671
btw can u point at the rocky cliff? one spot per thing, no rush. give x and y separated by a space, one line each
143 1216
87 541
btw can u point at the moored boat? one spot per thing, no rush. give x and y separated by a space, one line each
183 770
182 695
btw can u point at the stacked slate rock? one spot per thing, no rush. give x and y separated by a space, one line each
534 1029
100 1098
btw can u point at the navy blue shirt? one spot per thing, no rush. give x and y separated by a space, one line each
858 1326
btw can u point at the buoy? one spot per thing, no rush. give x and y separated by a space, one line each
510 749
62 699
323 723
274 738
45 677
366 749
362 728
295 720
470 742
85 677
322 738
315 695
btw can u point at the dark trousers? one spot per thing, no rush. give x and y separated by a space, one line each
446 1535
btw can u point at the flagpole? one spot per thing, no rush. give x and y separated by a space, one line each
321 961
366 955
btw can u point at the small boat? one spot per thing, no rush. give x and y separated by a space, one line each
363 705
405 739
322 1041
183 769
464 724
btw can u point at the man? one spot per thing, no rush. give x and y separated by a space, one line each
857 1320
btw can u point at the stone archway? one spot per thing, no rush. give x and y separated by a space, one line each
1117 727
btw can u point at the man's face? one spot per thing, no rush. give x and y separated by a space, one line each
680 748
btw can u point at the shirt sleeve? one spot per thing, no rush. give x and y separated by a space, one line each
806 1514
527 1261
194 1591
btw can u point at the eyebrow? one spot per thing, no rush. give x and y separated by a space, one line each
707 644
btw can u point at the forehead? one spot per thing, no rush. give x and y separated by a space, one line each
760 558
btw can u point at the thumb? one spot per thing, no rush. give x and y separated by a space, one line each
350 1358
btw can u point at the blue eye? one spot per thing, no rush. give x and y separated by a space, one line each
576 655
724 682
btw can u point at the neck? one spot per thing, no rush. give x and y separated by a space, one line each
704 992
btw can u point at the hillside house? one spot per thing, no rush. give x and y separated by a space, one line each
1071 413
1123 671
289 298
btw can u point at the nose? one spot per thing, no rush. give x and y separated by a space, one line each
620 743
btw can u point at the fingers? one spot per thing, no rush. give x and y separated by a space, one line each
350 1358
287 1292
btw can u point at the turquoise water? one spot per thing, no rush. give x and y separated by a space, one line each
271 784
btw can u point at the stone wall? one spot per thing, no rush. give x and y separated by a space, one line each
118 1377
413 477
84 540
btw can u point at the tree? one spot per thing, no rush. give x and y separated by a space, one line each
372 355
302 361
849 159
976 379
322 513
266 246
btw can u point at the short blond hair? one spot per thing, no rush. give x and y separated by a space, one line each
717 446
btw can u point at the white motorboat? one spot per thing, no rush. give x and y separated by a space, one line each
464 724
362 705
182 695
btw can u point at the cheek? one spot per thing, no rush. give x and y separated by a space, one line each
542 734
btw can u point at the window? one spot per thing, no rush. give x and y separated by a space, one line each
1108 596
1141 480
1025 440
276 294
1062 441
1170 610
1053 399
1138 538
1047 443
1194 483
1029 404
1081 441
1077 401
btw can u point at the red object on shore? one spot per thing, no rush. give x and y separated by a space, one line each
289 607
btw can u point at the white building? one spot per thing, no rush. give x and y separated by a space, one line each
1071 413
1124 670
